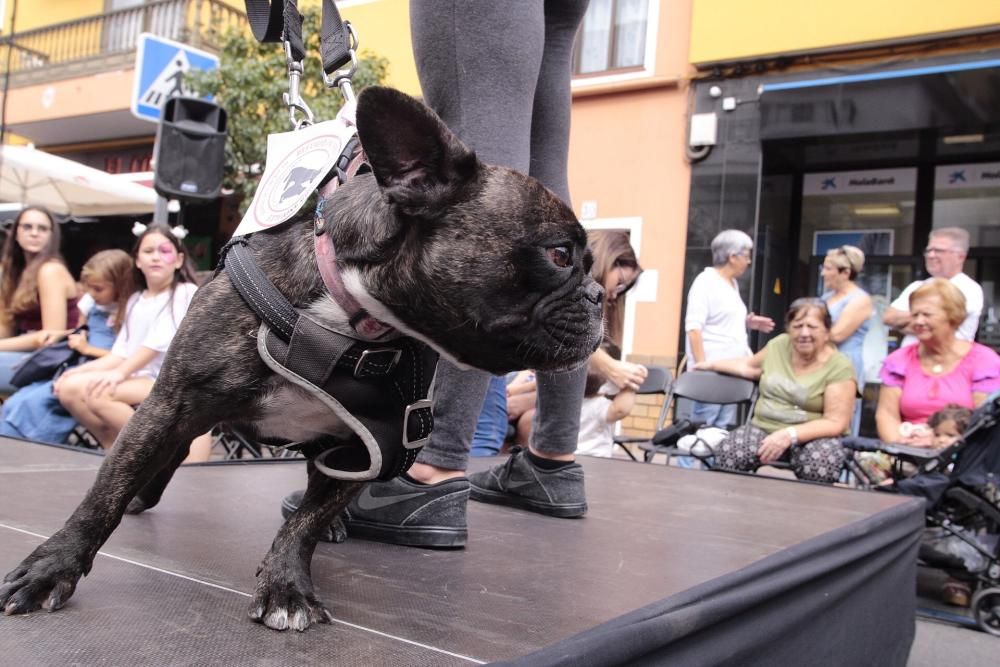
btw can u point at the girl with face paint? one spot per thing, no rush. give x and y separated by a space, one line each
102 394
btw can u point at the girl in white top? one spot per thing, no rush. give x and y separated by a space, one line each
599 413
101 394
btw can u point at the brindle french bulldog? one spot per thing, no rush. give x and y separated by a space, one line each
482 263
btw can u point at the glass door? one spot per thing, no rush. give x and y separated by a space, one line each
873 210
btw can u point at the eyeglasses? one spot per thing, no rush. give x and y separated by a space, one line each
937 251
31 227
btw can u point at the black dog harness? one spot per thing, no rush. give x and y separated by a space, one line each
382 391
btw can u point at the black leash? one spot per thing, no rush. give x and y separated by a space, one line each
281 21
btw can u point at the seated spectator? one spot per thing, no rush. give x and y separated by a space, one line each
37 293
807 391
944 257
940 369
598 415
492 425
102 394
522 394
33 412
948 424
617 269
944 427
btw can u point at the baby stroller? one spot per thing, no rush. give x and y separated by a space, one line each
961 485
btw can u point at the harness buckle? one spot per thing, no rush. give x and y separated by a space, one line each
293 99
422 404
378 366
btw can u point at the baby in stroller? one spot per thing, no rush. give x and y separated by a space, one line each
960 484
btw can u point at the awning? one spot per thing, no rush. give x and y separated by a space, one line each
36 178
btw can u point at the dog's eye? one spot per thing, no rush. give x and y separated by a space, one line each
560 256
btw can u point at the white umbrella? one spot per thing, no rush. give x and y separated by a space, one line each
34 177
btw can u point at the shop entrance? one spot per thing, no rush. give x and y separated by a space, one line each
884 194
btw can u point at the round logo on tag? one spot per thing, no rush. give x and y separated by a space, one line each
285 188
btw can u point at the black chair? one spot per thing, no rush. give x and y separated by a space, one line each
657 381
704 387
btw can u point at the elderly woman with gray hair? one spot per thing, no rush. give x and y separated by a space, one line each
717 320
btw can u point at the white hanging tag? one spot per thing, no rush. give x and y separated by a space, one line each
296 163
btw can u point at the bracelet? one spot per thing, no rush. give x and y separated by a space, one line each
793 434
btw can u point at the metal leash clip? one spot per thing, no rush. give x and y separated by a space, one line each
342 77
292 99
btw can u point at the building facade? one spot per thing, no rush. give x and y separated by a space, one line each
72 79
847 123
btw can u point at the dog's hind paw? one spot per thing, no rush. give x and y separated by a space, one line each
338 530
136 506
288 609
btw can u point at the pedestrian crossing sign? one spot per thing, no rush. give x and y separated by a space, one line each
160 65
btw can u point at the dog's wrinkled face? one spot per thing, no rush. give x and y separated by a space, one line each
483 262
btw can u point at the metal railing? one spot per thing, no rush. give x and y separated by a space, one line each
200 23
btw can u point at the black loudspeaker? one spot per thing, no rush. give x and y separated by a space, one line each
190 150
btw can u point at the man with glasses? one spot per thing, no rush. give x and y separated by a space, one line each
944 257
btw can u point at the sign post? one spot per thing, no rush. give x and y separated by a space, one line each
160 65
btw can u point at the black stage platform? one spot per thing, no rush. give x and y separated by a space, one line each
669 565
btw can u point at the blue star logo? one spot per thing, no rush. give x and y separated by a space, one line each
956 176
829 184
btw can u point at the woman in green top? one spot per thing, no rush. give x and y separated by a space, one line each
807 391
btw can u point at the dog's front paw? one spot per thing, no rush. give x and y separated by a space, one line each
44 580
284 599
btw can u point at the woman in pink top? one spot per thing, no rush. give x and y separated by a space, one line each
920 379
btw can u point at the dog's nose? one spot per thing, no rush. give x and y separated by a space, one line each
594 292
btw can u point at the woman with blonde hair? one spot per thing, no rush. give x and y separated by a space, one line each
38 295
938 370
850 307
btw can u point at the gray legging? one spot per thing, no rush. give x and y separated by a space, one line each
498 74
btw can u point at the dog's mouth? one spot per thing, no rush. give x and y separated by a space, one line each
559 332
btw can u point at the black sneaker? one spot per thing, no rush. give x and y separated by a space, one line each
520 483
403 512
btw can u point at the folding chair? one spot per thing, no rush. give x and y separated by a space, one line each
235 446
657 382
704 387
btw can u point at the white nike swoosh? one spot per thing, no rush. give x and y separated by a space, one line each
367 501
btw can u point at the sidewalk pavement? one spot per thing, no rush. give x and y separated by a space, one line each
943 645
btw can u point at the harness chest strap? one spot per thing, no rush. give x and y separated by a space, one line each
381 391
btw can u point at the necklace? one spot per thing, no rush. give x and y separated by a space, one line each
937 369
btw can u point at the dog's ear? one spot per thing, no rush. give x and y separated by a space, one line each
416 159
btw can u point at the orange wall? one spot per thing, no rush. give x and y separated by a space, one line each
110 91
38 13
627 155
638 168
